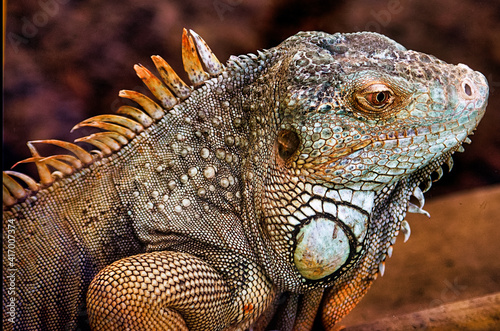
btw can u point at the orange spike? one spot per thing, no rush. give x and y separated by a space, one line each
112 141
129 134
213 65
32 184
76 163
14 188
156 87
8 199
170 77
136 114
108 141
46 177
52 161
191 61
28 160
82 154
116 136
63 167
115 139
104 148
151 107
116 119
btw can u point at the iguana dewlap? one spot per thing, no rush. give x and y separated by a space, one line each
268 191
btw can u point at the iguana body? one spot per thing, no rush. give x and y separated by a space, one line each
274 187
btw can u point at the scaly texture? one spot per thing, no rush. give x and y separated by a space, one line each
269 191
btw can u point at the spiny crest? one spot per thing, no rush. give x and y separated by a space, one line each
200 64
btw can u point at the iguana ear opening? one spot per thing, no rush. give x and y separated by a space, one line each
288 143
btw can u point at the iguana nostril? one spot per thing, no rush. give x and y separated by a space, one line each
467 89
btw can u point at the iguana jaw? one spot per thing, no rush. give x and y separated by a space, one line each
324 231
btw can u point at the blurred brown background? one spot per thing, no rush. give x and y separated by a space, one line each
66 60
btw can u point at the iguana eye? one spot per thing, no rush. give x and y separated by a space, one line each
376 96
378 99
375 99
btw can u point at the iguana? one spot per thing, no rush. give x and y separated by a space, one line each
269 190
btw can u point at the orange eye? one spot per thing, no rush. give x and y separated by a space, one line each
375 97
378 98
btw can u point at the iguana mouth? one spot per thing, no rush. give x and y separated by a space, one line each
437 168
337 155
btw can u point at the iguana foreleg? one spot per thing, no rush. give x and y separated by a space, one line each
176 291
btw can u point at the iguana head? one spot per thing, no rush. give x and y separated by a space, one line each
360 123
361 111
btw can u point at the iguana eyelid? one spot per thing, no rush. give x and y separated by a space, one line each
364 94
376 87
